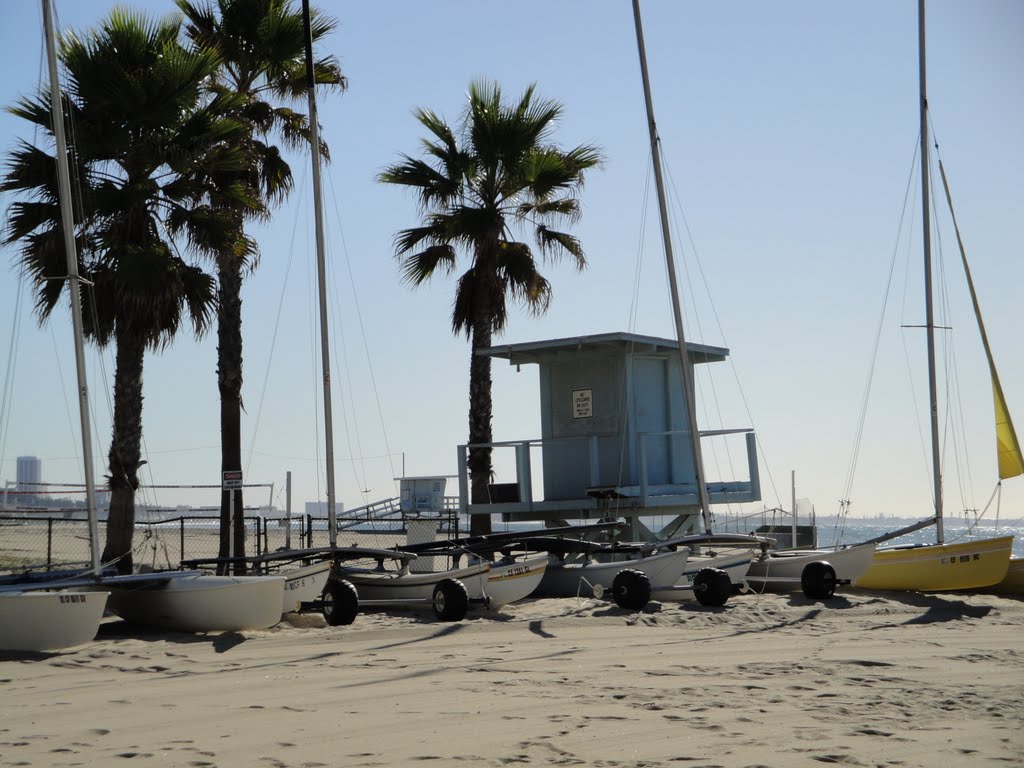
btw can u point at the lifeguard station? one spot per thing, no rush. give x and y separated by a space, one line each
614 437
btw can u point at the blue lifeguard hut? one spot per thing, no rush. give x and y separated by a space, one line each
615 440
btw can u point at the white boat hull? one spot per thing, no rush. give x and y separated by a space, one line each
782 570
200 603
49 621
508 582
304 585
735 564
568 578
406 586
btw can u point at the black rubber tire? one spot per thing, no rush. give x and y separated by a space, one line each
712 587
631 589
451 600
339 603
818 580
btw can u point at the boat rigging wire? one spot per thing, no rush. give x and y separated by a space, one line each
846 501
12 359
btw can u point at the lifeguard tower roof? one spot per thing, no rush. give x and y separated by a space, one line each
620 342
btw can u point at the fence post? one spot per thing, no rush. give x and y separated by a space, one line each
181 539
49 543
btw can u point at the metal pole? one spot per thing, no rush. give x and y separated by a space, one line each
933 390
71 254
321 271
288 509
792 477
684 369
231 527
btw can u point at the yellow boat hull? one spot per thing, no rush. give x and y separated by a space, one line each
939 567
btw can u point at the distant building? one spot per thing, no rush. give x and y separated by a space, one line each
29 474
319 508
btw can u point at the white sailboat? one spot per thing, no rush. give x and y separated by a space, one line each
782 569
202 603
509 581
348 586
720 569
567 576
176 600
968 564
51 620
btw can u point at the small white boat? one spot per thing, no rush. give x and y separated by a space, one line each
403 585
202 603
569 578
734 563
783 570
49 621
511 581
304 584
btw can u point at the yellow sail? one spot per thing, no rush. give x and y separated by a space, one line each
1011 460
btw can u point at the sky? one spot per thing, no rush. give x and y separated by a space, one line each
788 131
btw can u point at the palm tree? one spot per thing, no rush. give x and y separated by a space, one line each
144 139
498 174
261 45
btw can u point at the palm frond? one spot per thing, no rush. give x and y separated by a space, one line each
522 281
420 267
494 171
430 184
555 244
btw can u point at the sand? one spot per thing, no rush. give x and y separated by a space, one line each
776 680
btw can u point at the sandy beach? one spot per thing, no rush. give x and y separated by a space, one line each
771 680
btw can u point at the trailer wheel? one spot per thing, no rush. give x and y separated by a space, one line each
339 603
818 580
451 601
631 589
712 586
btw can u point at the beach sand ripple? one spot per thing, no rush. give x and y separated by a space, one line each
770 680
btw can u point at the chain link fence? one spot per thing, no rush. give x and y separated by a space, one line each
42 540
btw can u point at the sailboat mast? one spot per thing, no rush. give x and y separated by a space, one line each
71 254
321 271
684 369
933 397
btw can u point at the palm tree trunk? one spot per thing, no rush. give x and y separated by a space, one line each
480 409
125 450
229 381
